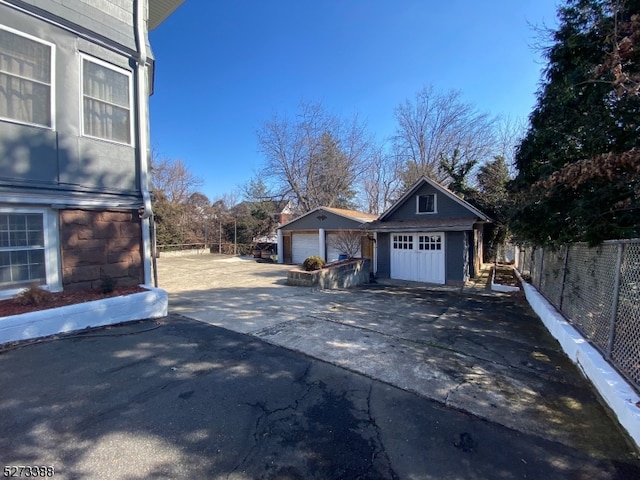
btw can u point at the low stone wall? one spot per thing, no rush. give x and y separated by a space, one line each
99 244
184 253
344 275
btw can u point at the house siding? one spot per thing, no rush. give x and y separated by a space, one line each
446 207
111 19
61 159
455 253
313 223
384 255
91 186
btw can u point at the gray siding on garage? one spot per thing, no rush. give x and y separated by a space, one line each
36 159
383 246
455 256
446 207
311 221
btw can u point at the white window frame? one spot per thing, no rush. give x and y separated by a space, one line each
51 249
52 84
429 242
123 71
402 241
435 204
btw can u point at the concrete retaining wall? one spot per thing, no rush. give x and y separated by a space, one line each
125 308
345 275
615 391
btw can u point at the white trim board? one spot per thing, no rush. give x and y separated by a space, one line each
613 388
138 306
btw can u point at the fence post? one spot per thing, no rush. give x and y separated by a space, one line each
540 270
614 301
564 275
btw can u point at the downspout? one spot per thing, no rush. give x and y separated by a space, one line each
143 133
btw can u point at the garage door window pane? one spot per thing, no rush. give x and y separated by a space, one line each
430 242
403 242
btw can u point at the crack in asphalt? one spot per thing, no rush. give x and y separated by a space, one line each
261 429
380 449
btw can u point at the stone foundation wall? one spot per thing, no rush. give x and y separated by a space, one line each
345 275
100 244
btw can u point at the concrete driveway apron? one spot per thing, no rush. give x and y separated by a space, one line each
469 349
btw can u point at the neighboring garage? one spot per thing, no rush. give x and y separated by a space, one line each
318 232
303 245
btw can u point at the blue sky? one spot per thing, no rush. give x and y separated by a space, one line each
224 67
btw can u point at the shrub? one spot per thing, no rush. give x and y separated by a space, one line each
107 284
312 263
34 295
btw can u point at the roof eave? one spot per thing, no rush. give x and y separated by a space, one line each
159 11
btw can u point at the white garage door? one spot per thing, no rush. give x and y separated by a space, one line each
418 257
333 252
304 245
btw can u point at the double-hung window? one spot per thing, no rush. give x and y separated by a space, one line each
26 72
106 101
22 249
28 249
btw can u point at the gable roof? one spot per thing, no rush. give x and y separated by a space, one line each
354 215
416 186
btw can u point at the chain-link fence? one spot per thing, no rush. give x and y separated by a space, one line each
598 292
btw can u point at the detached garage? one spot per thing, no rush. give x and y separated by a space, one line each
429 235
319 232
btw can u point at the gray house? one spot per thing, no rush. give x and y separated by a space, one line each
429 235
317 233
75 77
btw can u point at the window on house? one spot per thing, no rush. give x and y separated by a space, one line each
106 101
427 203
22 249
25 79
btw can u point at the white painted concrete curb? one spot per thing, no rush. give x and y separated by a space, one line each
497 287
613 388
137 306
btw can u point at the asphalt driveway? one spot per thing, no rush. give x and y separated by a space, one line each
470 349
278 382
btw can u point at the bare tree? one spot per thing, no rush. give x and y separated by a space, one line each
314 158
509 134
347 241
433 126
379 182
173 178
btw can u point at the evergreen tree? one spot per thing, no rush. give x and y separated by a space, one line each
580 120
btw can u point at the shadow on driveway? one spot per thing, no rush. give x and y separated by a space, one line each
372 383
182 399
